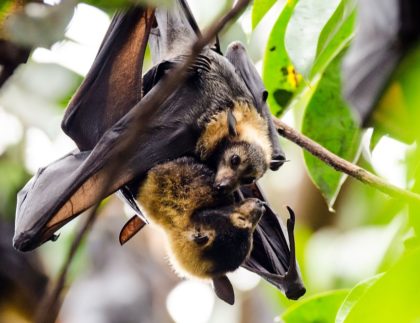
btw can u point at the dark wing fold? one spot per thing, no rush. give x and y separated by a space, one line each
239 58
114 84
175 32
384 33
272 257
72 184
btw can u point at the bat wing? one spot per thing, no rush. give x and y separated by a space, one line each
372 55
272 256
175 32
239 58
45 203
99 119
113 85
384 33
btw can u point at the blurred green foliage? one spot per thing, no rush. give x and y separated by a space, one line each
307 43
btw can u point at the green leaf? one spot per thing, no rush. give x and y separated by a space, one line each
413 174
353 297
335 36
320 308
329 121
304 30
394 297
259 9
279 75
377 135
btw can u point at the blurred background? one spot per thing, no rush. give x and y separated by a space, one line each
354 236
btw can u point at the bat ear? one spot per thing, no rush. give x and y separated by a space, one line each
231 123
223 289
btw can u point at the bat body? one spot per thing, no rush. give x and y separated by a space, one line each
108 108
227 112
208 233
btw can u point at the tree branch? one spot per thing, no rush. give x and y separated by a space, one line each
343 165
50 305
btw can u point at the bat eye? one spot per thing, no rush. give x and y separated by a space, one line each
235 160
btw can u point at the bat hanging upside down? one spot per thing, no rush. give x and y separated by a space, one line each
208 233
218 115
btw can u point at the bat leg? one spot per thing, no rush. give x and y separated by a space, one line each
239 58
278 157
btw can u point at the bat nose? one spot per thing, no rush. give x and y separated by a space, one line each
261 203
259 210
223 186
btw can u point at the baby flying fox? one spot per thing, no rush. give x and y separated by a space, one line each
208 234
236 142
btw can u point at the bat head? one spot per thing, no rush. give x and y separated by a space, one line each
240 163
224 235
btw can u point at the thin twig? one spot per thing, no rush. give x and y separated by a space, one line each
51 304
343 165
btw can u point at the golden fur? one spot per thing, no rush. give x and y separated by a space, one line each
169 201
250 127
178 196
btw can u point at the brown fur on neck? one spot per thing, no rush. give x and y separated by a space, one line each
250 127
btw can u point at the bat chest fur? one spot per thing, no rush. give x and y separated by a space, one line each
172 192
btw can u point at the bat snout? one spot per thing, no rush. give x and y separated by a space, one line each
225 182
255 208
223 186
258 211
